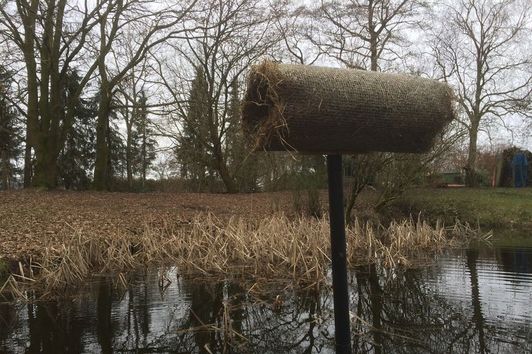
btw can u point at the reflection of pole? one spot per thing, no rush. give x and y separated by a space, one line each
103 317
338 254
472 256
375 296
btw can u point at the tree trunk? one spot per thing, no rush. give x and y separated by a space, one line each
101 163
6 170
101 169
228 180
471 174
129 155
48 140
129 168
28 171
144 142
29 20
221 168
45 167
144 165
373 39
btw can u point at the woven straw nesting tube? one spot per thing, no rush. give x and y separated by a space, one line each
328 110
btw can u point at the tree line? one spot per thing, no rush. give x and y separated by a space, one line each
109 94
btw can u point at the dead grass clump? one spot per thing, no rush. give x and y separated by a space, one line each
263 107
274 247
82 255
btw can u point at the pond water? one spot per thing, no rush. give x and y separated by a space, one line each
476 300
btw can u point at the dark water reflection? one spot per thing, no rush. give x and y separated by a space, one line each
476 300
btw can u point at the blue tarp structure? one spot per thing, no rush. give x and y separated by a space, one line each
520 169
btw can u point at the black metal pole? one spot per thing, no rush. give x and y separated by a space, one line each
338 254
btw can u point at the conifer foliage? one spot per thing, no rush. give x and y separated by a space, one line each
10 133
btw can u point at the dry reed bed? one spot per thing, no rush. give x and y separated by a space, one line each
275 247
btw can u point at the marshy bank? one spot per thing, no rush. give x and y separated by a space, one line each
274 248
59 240
468 300
102 272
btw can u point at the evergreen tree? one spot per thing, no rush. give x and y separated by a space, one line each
10 133
77 156
117 154
243 165
116 161
192 153
143 143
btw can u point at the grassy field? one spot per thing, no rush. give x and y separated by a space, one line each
489 208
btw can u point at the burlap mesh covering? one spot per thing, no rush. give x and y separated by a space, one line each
327 110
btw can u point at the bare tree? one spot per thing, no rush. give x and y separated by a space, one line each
233 35
49 49
297 26
365 34
127 104
55 37
480 49
154 23
369 35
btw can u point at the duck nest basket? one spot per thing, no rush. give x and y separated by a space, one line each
321 110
